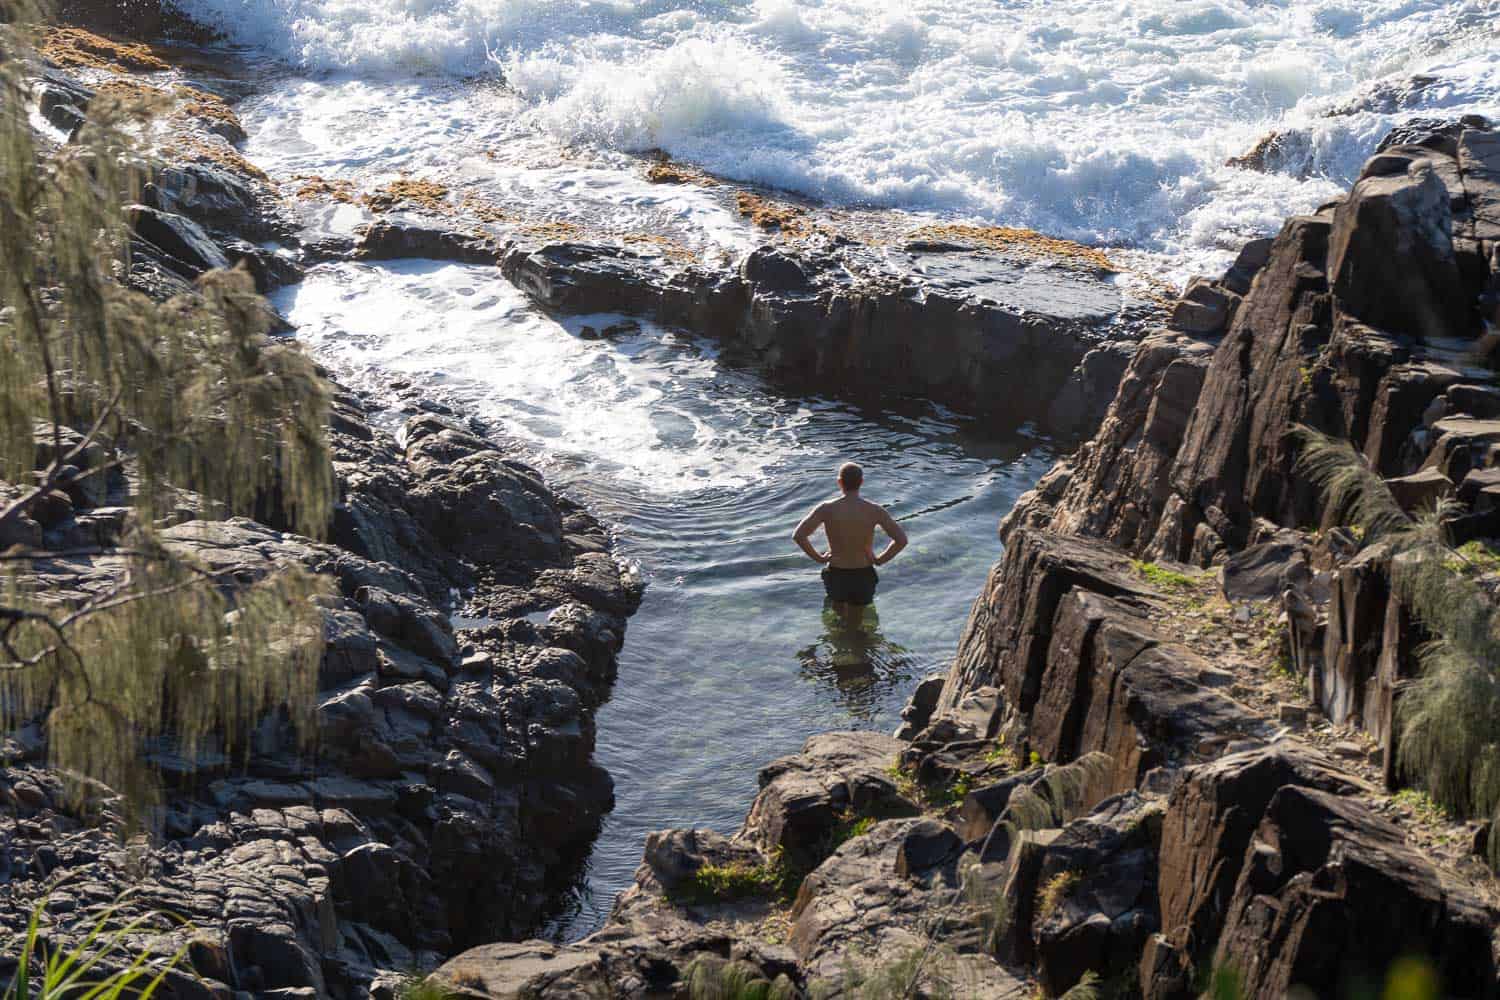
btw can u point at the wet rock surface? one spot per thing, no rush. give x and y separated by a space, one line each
1165 744
451 792
1003 336
1103 783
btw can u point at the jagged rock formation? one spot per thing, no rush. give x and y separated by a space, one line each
1203 834
450 793
1366 322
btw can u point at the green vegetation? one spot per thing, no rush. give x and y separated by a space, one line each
1035 759
1224 983
102 965
953 793
101 386
851 827
1056 889
1160 576
906 782
1282 663
419 987
1411 978
1422 806
917 971
1407 978
709 977
1449 718
1475 559
737 880
1087 988
1004 756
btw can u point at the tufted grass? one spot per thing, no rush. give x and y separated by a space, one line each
102 964
1004 756
1054 891
1448 719
771 879
1160 576
710 977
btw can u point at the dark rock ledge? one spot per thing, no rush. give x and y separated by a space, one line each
452 792
1011 337
450 795
1151 772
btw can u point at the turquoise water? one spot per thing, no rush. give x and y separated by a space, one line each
703 470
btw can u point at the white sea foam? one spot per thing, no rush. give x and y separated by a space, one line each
1080 117
671 425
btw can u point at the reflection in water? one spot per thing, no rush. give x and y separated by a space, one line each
860 663
703 470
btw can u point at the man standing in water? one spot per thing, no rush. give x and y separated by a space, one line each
849 564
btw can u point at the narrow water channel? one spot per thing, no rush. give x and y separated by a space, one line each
702 469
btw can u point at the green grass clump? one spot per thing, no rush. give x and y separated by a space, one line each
1054 891
906 782
735 881
104 964
951 794
1422 805
419 987
1087 988
1476 559
712 978
859 828
1160 576
1004 756
912 972
1448 719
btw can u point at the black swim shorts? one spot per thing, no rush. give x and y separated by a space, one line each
850 586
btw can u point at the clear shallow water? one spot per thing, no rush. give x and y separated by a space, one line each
703 471
1104 122
1091 119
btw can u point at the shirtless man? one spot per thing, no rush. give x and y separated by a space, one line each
849 564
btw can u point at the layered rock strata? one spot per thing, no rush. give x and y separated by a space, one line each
1137 769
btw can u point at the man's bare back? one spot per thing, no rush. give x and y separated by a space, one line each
849 521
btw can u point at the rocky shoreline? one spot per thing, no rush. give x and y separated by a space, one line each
1113 780
1164 756
449 796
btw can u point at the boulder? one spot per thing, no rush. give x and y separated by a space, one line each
1205 307
1479 164
863 908
176 241
835 778
1206 831
1331 893
1099 894
1262 571
1420 492
1390 255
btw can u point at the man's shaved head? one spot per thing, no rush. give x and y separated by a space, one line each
851 476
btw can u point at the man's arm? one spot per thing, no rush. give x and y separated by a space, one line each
803 535
895 532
